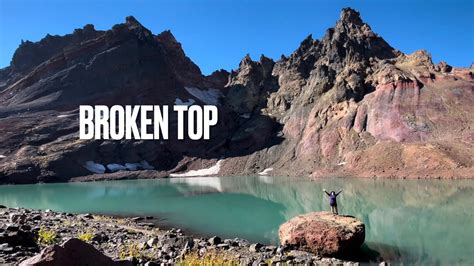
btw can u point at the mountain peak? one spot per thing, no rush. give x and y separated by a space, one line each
349 15
351 23
167 37
133 25
131 21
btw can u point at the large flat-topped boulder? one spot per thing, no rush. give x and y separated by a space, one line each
324 233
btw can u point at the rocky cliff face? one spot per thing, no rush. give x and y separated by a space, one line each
348 104
351 105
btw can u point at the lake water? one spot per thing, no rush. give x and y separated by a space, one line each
409 221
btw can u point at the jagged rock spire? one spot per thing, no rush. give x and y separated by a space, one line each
133 25
349 15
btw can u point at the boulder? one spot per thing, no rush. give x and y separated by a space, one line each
72 252
255 247
18 236
323 233
215 240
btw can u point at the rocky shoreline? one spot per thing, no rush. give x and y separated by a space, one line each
134 241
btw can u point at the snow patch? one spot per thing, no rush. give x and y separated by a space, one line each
266 171
212 182
141 165
132 166
2 156
213 170
114 167
178 101
209 96
95 167
341 163
62 116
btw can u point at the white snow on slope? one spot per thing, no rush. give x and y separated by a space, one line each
209 96
114 167
213 170
62 116
178 101
95 167
2 156
141 165
132 166
266 171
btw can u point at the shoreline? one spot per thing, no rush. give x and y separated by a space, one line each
323 174
25 232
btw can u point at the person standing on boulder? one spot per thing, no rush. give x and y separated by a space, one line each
332 200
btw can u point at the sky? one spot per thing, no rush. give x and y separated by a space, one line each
217 34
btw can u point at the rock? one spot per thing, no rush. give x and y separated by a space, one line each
100 237
255 247
17 217
270 249
17 237
146 224
443 67
298 254
151 263
86 216
3 206
152 242
5 248
36 217
242 242
281 249
72 252
184 241
223 246
215 240
167 242
167 248
323 233
12 228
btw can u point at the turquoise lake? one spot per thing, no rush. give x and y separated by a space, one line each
407 221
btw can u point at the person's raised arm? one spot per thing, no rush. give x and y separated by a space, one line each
326 192
339 192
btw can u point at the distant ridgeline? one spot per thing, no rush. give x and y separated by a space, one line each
120 122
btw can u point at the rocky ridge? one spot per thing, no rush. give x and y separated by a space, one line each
345 105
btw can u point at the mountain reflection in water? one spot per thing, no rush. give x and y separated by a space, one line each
412 221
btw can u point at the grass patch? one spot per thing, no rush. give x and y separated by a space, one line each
86 237
210 258
132 250
47 237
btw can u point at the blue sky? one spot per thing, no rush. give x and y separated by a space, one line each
218 33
